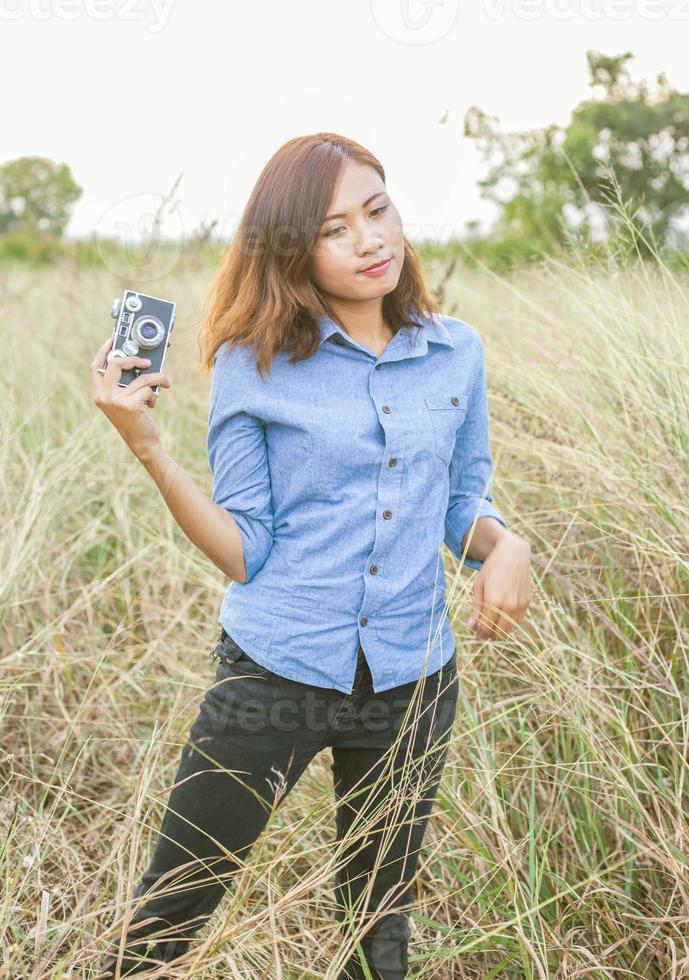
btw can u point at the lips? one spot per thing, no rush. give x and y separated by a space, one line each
376 265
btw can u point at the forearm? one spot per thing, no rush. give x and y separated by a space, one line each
208 525
487 533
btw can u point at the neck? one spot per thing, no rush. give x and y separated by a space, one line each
364 322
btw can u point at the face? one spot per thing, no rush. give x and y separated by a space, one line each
367 229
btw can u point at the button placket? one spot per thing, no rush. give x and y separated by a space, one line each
389 484
388 495
375 562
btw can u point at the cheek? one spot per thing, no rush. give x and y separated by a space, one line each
329 263
394 230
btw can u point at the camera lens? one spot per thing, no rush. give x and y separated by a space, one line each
148 331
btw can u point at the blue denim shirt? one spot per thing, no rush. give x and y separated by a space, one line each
346 472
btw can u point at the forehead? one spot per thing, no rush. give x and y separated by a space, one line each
356 182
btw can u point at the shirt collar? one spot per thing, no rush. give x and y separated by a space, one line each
433 329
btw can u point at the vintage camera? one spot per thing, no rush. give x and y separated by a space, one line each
143 325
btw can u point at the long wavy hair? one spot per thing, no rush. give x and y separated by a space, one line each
262 295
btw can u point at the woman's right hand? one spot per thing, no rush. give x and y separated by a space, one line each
128 408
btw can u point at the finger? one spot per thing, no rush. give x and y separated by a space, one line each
99 360
141 397
504 624
157 377
518 617
117 365
477 605
489 617
101 352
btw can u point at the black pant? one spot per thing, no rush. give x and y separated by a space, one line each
255 734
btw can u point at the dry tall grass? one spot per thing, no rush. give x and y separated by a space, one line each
559 844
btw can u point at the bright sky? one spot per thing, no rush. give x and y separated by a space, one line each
133 93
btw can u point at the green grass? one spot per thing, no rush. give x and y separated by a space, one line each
559 842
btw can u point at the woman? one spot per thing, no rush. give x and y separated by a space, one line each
347 439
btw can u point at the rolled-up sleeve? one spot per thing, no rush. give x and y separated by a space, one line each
470 467
238 460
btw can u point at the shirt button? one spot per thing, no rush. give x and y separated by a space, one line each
392 461
374 569
378 367
363 621
455 400
387 514
386 409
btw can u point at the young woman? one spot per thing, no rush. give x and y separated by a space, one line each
347 439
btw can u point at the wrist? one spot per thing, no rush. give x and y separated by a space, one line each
492 531
513 539
151 456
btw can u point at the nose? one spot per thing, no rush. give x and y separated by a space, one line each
368 240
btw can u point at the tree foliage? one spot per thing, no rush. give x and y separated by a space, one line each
626 144
37 193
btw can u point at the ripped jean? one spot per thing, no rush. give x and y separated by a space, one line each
255 734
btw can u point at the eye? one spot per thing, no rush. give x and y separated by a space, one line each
376 211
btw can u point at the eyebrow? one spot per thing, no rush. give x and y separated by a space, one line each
367 201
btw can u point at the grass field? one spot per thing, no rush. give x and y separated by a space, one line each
560 841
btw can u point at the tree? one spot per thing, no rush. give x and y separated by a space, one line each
553 183
36 191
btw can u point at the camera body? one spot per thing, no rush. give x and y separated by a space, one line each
143 325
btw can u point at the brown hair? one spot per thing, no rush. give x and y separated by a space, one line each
261 295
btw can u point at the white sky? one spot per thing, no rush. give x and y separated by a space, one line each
132 93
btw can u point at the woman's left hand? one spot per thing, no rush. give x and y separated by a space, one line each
502 588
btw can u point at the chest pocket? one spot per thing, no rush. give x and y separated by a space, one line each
445 414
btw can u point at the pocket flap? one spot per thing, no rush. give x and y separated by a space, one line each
452 401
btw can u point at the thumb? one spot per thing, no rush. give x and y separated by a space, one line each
477 605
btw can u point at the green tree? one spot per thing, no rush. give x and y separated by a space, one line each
37 192
554 184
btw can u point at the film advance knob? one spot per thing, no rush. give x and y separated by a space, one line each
113 354
116 306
